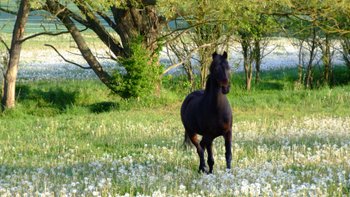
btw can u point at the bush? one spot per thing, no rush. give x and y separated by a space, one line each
142 73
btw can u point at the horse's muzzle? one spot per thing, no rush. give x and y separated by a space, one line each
225 89
225 86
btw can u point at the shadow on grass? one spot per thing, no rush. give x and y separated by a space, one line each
267 85
103 107
56 100
54 97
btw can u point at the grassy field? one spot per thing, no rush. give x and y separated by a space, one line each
74 138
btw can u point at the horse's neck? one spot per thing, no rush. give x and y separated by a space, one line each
213 92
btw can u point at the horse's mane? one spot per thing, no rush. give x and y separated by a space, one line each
208 82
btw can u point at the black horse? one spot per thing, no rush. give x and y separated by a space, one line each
208 113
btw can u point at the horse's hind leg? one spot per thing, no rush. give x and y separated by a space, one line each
208 143
228 145
200 151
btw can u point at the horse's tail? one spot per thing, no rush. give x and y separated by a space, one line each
187 141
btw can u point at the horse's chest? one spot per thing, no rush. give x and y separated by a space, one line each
219 123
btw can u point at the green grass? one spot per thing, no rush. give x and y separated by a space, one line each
76 137
274 97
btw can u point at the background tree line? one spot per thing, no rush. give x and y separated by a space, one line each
191 31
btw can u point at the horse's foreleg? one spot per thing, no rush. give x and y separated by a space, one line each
228 145
200 151
210 155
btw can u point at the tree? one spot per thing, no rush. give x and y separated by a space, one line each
205 31
246 43
253 28
9 84
179 49
325 44
343 19
345 42
131 20
128 20
314 24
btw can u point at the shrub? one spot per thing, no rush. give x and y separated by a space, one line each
142 73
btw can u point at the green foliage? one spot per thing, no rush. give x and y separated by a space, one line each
142 73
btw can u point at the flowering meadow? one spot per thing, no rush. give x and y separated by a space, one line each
140 153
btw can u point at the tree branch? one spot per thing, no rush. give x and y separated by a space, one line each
182 31
67 12
68 61
4 43
8 11
186 58
48 34
96 25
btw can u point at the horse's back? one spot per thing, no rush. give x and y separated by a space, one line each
191 99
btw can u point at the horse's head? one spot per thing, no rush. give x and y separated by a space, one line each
220 71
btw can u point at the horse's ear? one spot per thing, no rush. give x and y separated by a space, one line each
214 54
224 55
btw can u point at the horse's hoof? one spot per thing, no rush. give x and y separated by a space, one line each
202 170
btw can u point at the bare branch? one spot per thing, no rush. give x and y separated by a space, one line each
4 43
48 34
184 30
68 61
8 11
100 30
186 58
111 56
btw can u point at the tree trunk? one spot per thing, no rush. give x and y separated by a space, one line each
248 75
300 65
308 80
9 93
247 62
257 57
133 22
327 60
190 75
55 8
205 55
346 51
